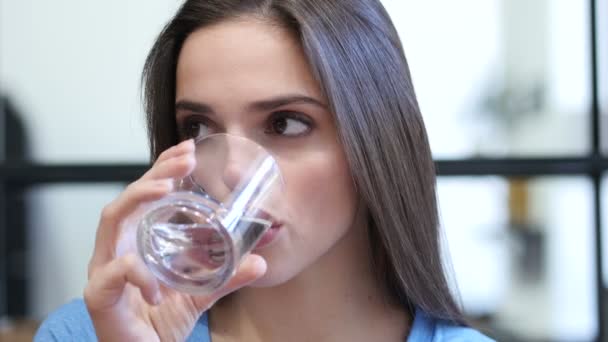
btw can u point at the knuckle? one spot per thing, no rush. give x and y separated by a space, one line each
133 186
158 167
108 213
129 261
91 298
159 161
185 161
87 295
164 153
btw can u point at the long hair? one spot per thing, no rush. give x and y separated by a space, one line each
357 58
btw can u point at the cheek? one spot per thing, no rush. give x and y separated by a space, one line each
321 195
322 205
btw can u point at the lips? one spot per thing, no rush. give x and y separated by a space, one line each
268 237
271 234
264 215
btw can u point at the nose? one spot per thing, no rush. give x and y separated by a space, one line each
237 162
233 174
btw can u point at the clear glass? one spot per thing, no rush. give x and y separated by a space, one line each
194 238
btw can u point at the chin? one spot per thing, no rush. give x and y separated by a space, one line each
273 277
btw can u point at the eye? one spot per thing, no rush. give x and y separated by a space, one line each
288 124
196 128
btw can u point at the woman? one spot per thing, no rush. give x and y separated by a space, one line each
325 86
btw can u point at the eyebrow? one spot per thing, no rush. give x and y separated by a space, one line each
262 105
279 101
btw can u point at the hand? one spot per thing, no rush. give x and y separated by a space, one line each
124 299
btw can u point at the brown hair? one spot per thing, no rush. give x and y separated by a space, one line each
357 58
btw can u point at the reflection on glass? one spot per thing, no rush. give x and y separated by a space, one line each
523 254
499 77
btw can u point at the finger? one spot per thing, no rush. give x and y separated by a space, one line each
115 212
252 268
107 284
135 194
174 151
176 167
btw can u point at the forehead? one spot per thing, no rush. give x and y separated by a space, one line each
244 60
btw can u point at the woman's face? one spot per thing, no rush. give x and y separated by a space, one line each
250 78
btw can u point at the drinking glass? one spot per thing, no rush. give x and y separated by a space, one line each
194 238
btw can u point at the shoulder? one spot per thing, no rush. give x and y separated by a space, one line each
447 332
426 328
71 322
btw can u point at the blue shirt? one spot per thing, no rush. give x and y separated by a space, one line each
71 322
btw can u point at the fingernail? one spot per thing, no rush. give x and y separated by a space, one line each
190 159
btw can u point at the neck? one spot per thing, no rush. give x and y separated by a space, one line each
335 299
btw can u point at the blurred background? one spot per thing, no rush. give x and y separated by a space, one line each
514 94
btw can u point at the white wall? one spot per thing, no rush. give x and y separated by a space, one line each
73 68
453 49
